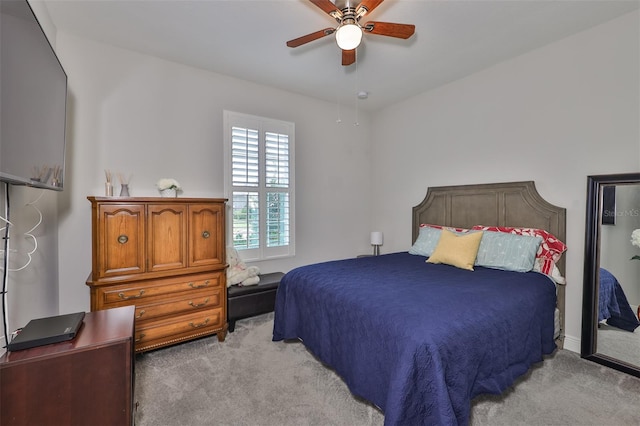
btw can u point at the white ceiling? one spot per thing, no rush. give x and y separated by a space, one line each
246 39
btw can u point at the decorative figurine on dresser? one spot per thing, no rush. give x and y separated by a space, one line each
165 256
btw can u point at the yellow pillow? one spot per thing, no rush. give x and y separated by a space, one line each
456 250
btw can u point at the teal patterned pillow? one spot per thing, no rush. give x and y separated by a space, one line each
428 237
426 242
511 252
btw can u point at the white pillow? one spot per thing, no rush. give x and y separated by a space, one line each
555 272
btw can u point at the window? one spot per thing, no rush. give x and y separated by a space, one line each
259 182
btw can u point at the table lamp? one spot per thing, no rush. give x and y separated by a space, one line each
376 242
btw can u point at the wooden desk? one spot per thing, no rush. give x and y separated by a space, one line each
84 381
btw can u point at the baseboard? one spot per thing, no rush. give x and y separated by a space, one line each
571 344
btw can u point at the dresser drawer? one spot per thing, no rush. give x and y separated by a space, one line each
176 329
138 292
187 302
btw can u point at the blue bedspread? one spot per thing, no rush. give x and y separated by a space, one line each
418 340
613 305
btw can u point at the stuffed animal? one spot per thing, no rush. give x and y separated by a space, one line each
238 272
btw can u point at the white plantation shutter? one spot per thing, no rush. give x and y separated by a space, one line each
277 160
277 219
246 220
277 176
259 184
244 157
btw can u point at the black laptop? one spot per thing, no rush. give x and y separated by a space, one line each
44 331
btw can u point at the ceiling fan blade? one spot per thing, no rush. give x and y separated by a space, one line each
369 5
348 57
390 29
309 37
328 7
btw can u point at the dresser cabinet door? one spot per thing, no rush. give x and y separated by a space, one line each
166 232
206 235
120 237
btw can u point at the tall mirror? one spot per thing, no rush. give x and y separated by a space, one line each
610 325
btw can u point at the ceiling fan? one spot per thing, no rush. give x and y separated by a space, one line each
349 30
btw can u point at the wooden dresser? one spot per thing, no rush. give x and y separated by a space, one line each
165 256
85 381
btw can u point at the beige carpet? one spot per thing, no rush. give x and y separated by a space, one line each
620 344
250 380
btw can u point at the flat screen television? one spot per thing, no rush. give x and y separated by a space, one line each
33 101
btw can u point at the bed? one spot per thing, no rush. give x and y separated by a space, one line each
613 306
420 340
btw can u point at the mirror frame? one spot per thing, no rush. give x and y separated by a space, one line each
588 343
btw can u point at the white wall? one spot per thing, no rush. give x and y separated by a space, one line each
554 116
32 285
151 118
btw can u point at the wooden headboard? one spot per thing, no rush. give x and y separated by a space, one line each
493 204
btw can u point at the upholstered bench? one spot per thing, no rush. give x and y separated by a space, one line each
245 302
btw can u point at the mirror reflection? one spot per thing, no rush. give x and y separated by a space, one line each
618 330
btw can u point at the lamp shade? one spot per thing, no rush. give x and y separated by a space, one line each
376 238
348 36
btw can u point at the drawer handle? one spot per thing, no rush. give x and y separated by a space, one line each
123 297
202 324
206 234
140 314
140 337
197 305
122 239
193 285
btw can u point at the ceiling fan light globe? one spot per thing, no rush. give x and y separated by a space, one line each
348 36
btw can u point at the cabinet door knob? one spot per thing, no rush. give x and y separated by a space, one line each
125 297
205 234
122 239
198 305
202 324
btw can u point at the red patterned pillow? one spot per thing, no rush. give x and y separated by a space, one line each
550 250
448 228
